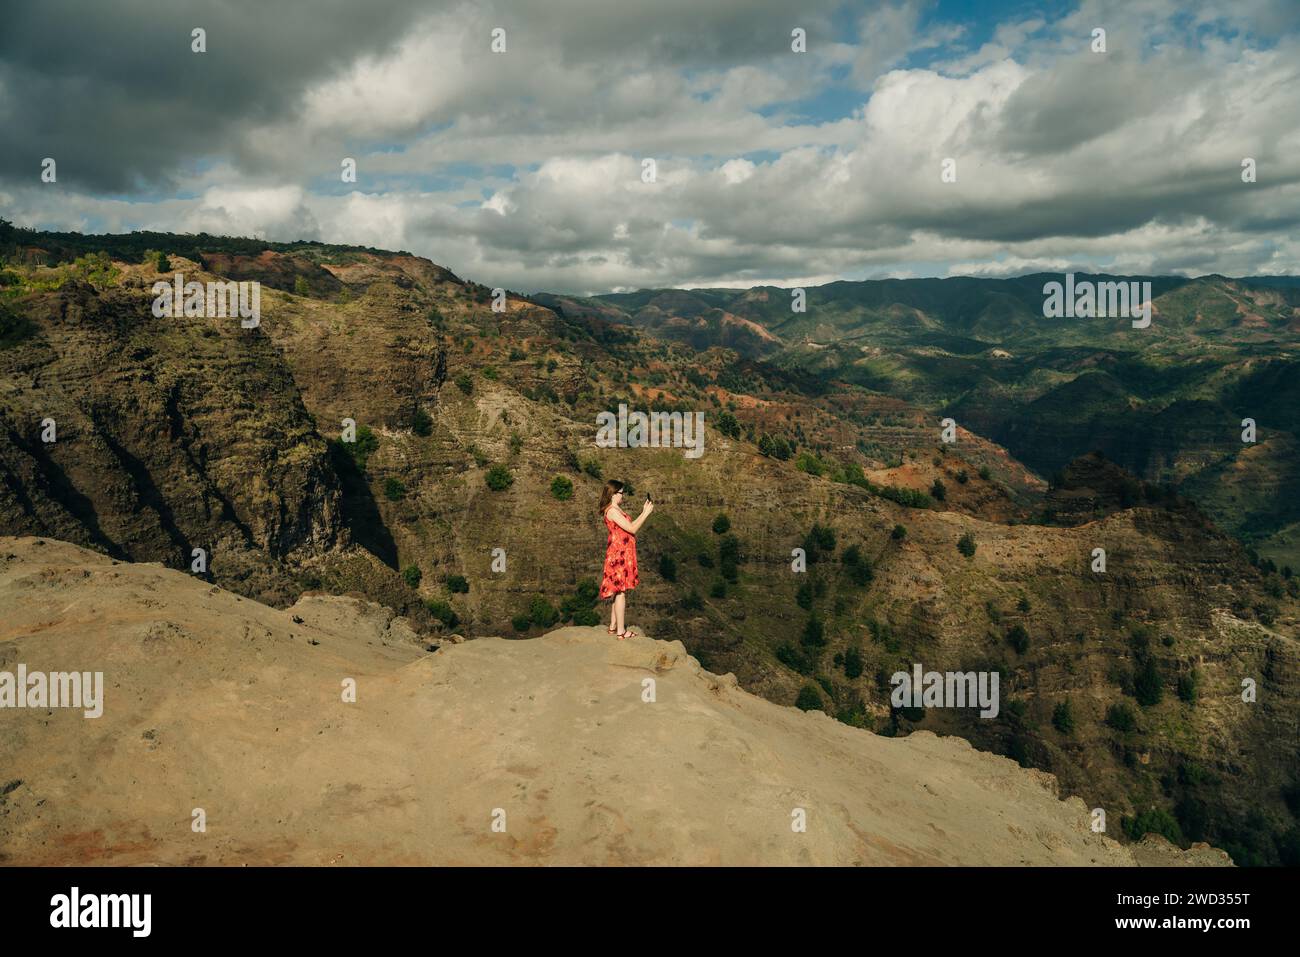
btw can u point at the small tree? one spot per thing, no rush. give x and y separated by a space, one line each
721 525
727 425
938 491
1147 686
465 383
966 545
810 699
499 478
853 662
442 610
562 488
814 632
1121 717
394 489
542 613
412 575
899 533
1063 717
1018 638
421 423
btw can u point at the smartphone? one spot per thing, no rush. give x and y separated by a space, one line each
648 498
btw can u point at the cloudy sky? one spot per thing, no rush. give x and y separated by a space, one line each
524 168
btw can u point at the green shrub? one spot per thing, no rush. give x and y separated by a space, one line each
412 575
1153 821
300 287
442 610
668 568
1063 717
693 601
587 592
586 617
464 383
794 659
966 545
521 622
542 613
592 468
908 497
562 488
807 462
860 572
394 489
803 596
421 422
499 478
360 450
899 533
1121 717
814 632
809 699
13 327
705 560
985 473
853 662
1187 686
721 525
457 584
1147 686
719 589
938 491
819 542
1018 638
726 424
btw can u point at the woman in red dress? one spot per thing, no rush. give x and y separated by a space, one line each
620 553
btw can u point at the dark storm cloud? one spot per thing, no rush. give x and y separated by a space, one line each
113 92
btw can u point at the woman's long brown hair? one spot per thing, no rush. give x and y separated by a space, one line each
612 488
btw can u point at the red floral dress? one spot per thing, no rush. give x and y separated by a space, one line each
620 561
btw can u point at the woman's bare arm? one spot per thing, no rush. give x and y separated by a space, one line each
615 515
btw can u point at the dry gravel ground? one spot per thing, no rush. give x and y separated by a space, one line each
219 703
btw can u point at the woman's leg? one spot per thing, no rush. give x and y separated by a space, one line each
620 603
